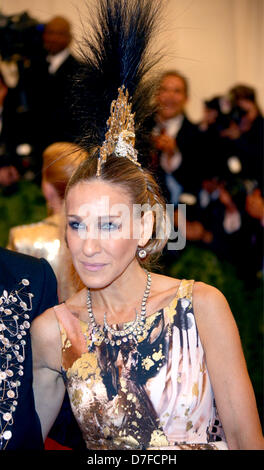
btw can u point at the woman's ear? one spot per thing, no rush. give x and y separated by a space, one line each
146 228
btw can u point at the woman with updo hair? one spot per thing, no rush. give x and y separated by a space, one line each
143 191
149 361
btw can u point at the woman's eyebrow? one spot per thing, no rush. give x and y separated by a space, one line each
101 217
75 216
110 216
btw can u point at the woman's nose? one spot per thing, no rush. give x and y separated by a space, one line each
91 246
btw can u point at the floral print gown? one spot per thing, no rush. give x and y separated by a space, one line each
151 394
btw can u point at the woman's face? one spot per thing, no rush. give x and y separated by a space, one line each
100 232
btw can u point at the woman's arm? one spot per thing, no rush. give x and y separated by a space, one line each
48 384
233 390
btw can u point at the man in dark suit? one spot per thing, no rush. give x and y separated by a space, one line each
27 288
51 81
178 153
176 138
62 66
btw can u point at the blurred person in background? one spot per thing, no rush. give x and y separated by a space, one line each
45 239
177 159
9 173
175 138
51 85
245 138
245 135
232 127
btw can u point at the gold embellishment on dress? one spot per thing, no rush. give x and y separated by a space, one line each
189 425
149 361
123 384
106 432
65 341
158 439
171 312
86 367
157 356
131 397
129 441
186 288
77 397
120 137
190 446
195 389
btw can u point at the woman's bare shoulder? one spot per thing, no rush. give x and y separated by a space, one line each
45 318
44 328
213 315
162 282
46 340
206 296
203 294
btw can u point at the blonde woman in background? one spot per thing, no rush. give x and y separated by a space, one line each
45 239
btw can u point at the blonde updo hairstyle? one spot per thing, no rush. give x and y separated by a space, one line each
142 189
60 160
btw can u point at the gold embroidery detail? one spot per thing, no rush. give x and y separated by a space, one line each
106 431
158 439
195 389
158 355
131 397
65 341
77 397
189 425
86 367
147 363
128 440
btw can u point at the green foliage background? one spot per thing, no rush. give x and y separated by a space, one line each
27 205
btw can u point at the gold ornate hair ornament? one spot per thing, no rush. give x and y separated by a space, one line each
120 137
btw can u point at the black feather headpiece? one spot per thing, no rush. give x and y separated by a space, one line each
116 54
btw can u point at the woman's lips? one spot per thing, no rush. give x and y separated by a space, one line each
93 266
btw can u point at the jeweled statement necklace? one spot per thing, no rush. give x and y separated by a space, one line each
132 330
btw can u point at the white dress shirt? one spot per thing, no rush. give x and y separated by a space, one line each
56 60
171 163
172 127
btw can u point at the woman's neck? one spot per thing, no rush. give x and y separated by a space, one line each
122 295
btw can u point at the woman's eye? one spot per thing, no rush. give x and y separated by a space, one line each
76 225
109 226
